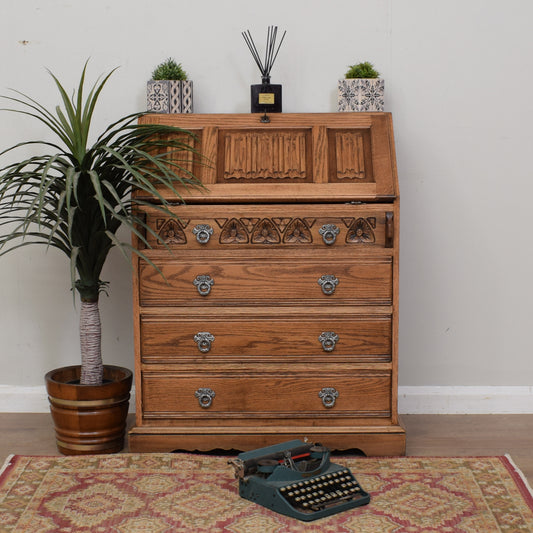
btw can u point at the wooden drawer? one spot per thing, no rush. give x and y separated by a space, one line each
357 227
204 280
365 393
299 336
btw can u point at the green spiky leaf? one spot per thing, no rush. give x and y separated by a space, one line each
75 196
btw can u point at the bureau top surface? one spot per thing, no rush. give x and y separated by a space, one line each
295 157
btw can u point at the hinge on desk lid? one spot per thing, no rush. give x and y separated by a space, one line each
389 229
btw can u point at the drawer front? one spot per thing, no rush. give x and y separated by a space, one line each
366 393
292 226
239 339
208 281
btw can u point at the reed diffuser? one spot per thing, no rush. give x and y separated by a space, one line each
265 97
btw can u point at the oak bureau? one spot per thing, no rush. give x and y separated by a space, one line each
277 317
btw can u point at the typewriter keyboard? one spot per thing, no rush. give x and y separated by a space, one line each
323 491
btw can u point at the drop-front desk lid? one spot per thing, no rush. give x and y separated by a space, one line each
296 157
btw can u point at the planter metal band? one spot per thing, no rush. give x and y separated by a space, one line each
89 403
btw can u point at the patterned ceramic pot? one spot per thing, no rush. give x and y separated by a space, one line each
361 94
169 96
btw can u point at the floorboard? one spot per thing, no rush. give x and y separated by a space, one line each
427 435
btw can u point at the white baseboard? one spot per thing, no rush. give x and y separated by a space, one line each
411 400
31 400
465 400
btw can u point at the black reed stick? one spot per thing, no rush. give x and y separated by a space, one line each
271 52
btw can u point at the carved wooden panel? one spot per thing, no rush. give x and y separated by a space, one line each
338 156
270 155
350 156
277 226
171 231
186 160
297 232
265 233
233 232
362 231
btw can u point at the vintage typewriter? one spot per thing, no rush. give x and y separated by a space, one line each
297 479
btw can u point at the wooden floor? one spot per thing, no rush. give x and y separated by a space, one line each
427 435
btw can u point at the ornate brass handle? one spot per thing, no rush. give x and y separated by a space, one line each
205 397
203 233
328 282
329 396
204 340
329 233
328 339
203 283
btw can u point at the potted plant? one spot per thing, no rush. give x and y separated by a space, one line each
361 89
75 197
169 90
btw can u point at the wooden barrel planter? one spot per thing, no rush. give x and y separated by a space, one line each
89 419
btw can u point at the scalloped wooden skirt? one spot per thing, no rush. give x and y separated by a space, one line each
89 419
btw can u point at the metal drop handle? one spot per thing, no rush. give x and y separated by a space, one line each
204 339
329 233
328 339
203 283
203 233
329 396
205 397
328 282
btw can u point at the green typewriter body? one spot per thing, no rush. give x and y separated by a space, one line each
297 479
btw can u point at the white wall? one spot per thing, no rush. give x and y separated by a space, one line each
458 77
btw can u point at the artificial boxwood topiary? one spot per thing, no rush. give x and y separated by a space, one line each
169 70
362 70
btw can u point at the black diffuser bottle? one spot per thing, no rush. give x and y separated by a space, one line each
265 97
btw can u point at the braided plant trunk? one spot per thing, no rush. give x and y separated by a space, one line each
91 343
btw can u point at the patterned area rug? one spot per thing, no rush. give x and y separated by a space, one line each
152 493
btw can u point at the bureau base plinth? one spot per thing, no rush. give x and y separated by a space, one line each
374 441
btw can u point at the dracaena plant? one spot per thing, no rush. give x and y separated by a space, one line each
76 195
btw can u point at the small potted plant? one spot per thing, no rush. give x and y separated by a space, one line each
361 89
169 90
74 197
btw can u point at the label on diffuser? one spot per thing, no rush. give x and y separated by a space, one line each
266 98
